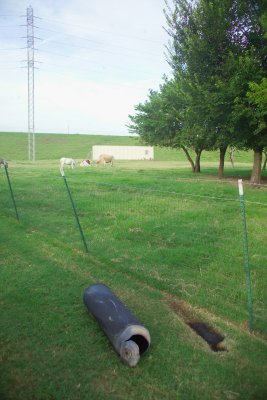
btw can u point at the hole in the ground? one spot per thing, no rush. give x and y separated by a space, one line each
189 315
213 338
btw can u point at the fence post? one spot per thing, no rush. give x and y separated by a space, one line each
246 256
11 192
75 212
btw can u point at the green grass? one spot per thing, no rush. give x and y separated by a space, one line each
53 146
158 235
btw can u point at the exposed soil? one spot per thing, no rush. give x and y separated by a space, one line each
201 328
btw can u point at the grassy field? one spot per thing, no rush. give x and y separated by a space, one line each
51 147
167 242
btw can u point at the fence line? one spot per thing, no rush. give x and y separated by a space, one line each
189 245
249 184
231 272
181 194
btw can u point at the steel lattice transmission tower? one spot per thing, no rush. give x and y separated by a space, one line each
31 67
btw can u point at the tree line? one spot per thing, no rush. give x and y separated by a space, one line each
216 96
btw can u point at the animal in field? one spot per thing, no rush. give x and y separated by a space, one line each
3 162
105 159
66 161
85 163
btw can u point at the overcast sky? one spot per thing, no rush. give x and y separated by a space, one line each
98 58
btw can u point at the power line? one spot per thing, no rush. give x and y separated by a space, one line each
99 71
77 57
96 42
9 15
100 30
13 48
149 54
8 69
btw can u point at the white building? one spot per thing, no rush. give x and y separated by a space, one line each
124 152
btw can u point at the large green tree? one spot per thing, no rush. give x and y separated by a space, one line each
249 111
160 121
217 52
217 49
157 120
198 53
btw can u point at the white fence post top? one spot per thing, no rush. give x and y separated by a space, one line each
240 187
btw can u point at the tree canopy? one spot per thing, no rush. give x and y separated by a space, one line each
216 96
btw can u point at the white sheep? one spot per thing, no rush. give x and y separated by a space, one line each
85 163
105 159
3 162
67 161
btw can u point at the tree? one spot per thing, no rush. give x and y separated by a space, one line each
251 116
211 42
265 159
157 120
217 51
199 54
249 113
257 101
160 121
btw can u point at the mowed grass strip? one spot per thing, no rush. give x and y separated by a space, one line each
154 250
52 348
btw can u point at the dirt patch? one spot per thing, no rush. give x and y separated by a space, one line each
213 338
188 314
183 309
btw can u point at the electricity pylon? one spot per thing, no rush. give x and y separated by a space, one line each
31 67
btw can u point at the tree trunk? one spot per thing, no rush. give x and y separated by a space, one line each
265 161
256 171
197 163
231 154
189 158
221 164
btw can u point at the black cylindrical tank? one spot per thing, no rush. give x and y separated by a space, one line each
128 336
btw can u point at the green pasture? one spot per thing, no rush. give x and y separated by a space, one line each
54 146
168 242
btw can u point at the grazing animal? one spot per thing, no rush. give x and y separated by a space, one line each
105 159
67 161
86 163
3 162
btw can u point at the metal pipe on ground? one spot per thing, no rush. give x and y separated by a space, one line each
127 335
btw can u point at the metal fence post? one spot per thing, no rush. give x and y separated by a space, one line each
11 192
75 212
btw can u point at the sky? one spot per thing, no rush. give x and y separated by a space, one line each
95 60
